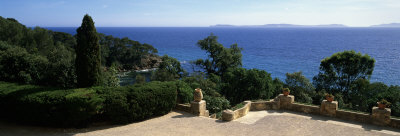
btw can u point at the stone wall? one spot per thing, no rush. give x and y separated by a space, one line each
329 109
229 115
395 123
261 105
354 116
183 107
304 108
288 104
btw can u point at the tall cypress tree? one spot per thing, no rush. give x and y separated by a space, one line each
87 54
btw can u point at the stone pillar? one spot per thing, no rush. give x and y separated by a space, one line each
199 108
228 115
329 108
276 104
285 102
381 116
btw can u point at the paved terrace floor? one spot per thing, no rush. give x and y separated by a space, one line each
255 123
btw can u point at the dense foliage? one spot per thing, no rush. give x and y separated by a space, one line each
170 69
301 87
127 54
43 57
87 54
185 92
346 75
242 84
220 59
79 107
339 71
139 102
36 56
215 101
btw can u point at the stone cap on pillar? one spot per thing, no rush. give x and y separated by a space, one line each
288 99
382 111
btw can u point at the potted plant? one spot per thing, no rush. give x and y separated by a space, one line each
383 104
286 91
329 97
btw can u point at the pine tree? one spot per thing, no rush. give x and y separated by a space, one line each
87 54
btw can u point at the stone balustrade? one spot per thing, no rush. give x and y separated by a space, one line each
378 116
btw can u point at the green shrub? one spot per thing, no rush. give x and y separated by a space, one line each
185 92
216 104
141 101
79 107
238 106
48 106
241 84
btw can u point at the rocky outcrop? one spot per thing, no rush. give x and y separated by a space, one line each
148 62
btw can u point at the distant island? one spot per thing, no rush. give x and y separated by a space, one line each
303 26
387 25
279 25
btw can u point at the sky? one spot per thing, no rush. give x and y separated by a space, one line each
199 13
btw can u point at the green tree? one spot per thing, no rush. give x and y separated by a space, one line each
219 57
61 67
199 80
169 69
172 65
126 53
364 95
110 77
88 54
241 84
339 71
301 87
277 86
17 65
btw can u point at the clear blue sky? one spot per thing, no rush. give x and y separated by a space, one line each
201 12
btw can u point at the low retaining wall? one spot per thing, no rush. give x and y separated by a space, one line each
262 105
317 110
354 116
229 115
395 123
274 104
183 107
304 108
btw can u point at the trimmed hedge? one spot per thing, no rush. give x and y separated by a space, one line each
79 107
139 102
185 92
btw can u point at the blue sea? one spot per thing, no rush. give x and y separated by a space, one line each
276 50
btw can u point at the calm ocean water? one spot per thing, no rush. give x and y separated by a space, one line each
276 50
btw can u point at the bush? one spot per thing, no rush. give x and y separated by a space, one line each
48 106
241 84
79 107
216 104
185 92
301 87
139 102
199 80
17 65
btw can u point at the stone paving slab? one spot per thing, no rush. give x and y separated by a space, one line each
177 123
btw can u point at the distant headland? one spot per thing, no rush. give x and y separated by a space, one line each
278 25
301 26
387 25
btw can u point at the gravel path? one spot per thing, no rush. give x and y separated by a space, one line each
180 123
